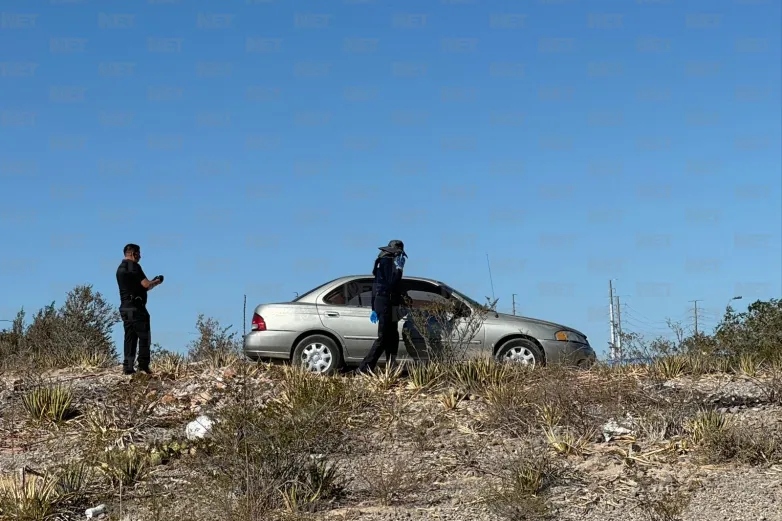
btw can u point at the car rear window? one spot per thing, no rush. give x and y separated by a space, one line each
313 290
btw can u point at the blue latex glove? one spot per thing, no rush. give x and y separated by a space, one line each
373 317
399 261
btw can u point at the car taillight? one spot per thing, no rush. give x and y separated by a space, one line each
258 324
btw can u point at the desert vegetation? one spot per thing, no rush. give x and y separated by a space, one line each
695 434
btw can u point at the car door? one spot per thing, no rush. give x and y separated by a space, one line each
345 310
466 332
419 295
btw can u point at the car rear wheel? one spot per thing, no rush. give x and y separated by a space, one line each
318 354
520 351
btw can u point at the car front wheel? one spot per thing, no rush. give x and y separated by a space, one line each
520 351
318 354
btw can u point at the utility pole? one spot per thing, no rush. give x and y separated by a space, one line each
696 314
514 304
618 327
611 345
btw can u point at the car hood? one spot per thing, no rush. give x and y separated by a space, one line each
529 320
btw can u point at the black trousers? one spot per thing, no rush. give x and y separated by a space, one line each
387 340
136 322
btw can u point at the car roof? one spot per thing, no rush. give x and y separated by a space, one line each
327 286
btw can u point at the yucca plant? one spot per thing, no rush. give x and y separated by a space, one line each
72 479
463 374
748 364
320 481
125 466
706 424
423 376
670 366
451 399
565 442
550 415
383 380
301 388
29 497
48 403
169 363
698 365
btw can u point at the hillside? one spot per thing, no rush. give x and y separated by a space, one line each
466 441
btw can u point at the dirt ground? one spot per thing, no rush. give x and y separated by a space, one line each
421 456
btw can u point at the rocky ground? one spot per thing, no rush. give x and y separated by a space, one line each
621 446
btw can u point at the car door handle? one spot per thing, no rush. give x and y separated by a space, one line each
332 314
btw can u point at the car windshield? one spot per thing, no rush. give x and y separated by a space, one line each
461 295
313 290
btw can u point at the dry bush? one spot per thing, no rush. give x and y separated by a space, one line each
663 506
282 454
579 400
524 482
215 346
389 481
78 334
742 444
443 329
119 419
771 386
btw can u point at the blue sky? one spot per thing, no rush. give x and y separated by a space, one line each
261 148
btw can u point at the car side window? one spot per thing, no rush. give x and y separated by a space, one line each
356 293
360 293
336 297
422 294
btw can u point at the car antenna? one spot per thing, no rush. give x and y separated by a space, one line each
491 281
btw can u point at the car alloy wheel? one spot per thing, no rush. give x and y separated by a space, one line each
317 357
520 355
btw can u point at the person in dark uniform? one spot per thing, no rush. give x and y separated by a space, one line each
133 287
386 299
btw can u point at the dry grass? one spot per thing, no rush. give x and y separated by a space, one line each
390 481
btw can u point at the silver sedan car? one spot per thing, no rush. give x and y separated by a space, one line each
328 328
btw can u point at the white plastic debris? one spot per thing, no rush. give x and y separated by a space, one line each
613 430
95 511
198 428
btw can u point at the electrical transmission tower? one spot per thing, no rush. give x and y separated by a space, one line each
695 309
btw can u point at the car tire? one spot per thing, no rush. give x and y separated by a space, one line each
518 350
318 354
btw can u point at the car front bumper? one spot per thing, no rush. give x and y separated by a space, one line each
269 344
568 353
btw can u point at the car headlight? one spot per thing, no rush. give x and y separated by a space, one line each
569 336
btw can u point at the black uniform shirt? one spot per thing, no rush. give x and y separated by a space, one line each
129 277
388 280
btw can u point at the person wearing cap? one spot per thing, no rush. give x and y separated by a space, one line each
386 298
